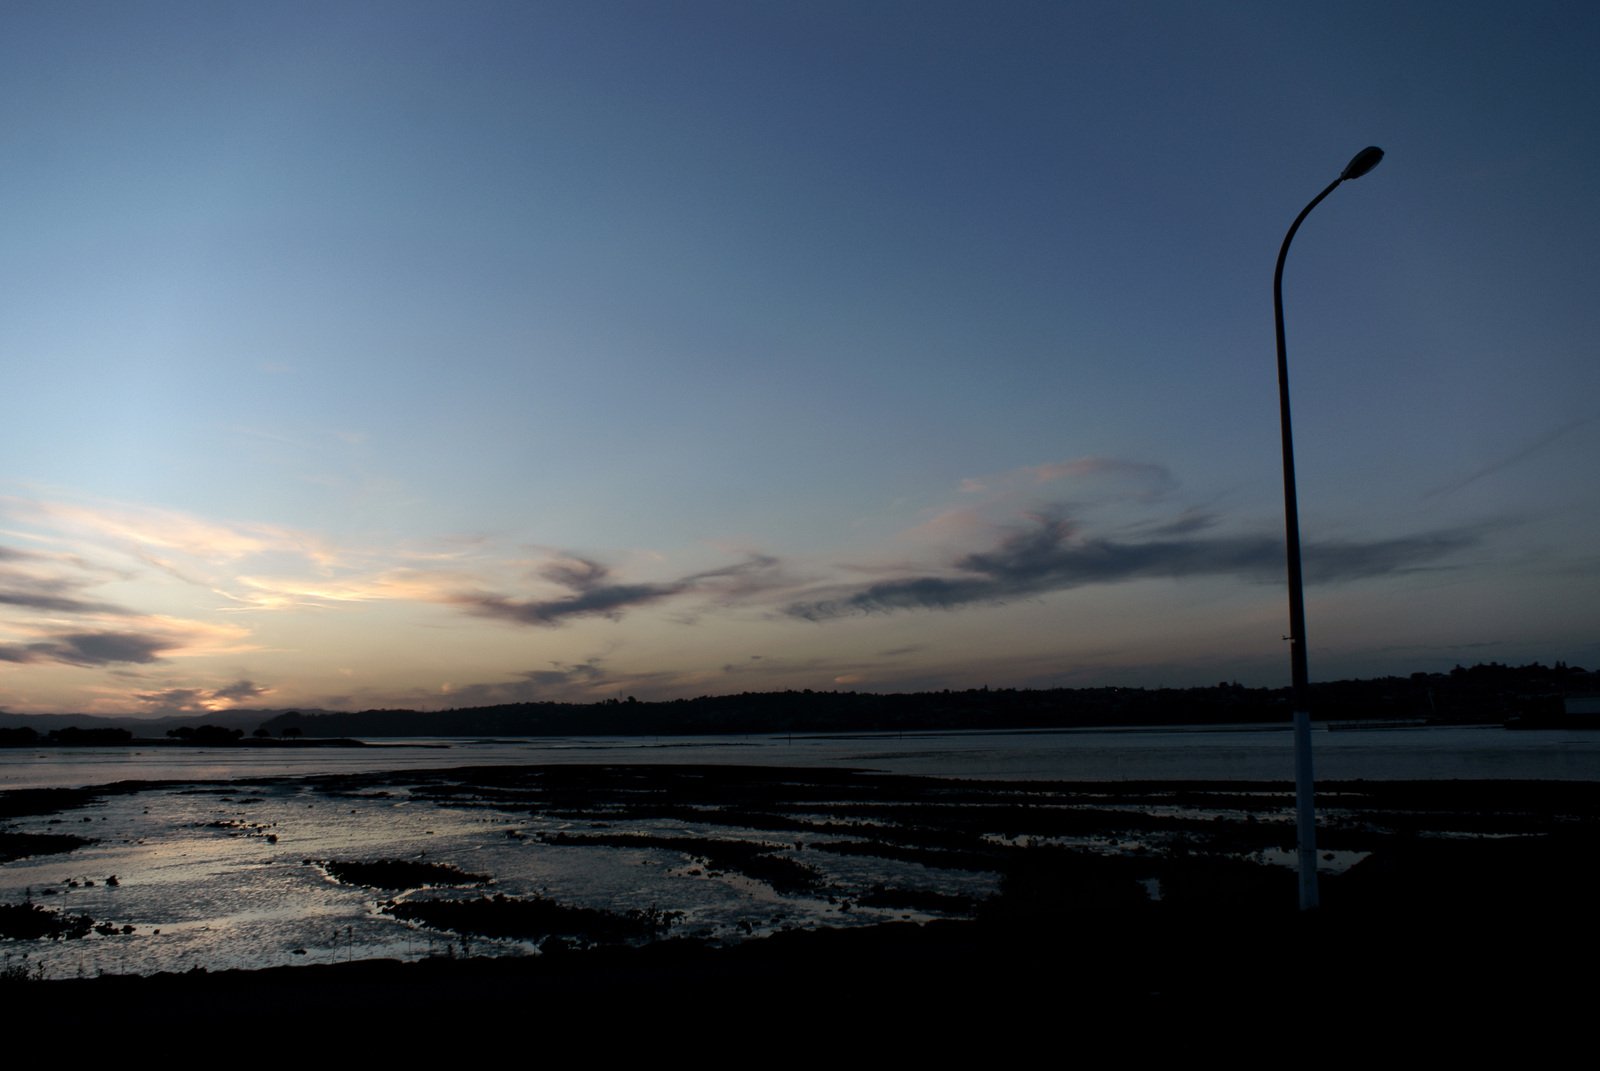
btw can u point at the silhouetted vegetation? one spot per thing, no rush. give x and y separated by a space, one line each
1488 693
1482 694
71 736
208 735
22 736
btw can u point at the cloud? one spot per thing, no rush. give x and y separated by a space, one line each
1079 484
1148 480
240 690
53 587
607 600
136 640
586 672
175 700
580 574
57 604
756 574
89 649
50 582
197 700
1187 523
1517 457
282 593
567 682
1330 562
293 570
144 530
595 594
1053 555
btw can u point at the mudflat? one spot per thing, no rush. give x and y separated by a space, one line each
961 898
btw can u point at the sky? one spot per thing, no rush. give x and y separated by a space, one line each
425 354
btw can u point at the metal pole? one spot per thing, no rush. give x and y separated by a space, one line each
1305 805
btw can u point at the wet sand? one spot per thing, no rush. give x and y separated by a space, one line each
1120 899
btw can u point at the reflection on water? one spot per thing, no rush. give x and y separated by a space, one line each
1249 753
223 875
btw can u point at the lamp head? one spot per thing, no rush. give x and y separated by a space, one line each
1362 162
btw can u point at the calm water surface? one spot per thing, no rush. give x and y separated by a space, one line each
1247 753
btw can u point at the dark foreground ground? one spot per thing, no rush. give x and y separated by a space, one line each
1472 909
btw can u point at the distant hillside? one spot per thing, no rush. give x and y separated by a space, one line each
1483 694
247 720
1488 693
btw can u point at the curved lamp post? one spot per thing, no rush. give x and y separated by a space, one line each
1304 796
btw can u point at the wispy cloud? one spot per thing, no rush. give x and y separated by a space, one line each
1088 483
34 594
1336 560
1052 554
239 691
198 700
594 679
88 649
135 640
1136 477
1532 448
51 583
54 616
258 568
288 592
595 593
146 529
1188 522
560 682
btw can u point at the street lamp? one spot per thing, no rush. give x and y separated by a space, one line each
1304 794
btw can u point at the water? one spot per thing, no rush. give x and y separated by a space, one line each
214 874
1249 753
217 876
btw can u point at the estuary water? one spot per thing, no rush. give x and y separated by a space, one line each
1241 752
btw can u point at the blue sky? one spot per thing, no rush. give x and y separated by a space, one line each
428 354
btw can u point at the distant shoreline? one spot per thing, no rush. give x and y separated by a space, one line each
1491 694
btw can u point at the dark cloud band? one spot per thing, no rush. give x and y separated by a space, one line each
89 649
594 596
1049 557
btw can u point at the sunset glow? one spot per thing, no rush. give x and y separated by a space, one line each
408 354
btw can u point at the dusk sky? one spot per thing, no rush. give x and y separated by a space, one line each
440 354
